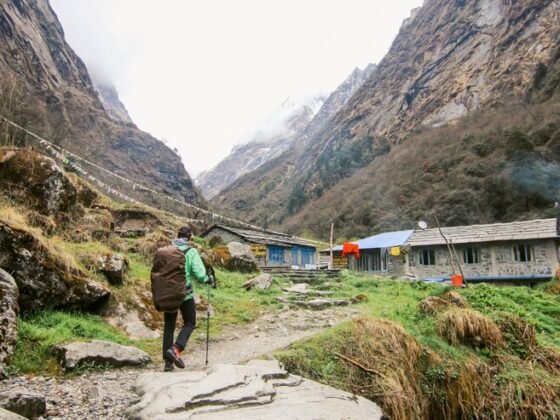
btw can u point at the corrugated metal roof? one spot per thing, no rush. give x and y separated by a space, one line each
261 237
382 240
532 229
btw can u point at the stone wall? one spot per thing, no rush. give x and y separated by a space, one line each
495 259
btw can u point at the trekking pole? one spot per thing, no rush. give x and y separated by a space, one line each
208 322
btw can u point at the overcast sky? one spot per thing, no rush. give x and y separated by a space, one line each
205 75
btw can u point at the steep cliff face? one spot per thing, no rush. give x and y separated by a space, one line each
285 126
450 59
60 102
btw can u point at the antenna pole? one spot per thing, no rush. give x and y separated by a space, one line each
331 260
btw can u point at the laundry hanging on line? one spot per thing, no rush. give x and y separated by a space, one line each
350 248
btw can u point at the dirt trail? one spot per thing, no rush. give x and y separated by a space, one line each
274 330
108 394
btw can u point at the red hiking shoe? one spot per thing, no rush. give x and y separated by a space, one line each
174 354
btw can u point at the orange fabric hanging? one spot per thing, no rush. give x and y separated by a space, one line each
350 248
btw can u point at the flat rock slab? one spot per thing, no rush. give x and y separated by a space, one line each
9 415
101 352
258 390
27 404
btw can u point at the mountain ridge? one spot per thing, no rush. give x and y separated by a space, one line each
58 99
449 60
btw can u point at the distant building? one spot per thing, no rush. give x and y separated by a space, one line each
501 251
525 252
380 254
271 249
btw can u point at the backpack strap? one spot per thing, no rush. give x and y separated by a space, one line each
190 288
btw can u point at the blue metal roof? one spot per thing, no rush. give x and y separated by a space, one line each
383 240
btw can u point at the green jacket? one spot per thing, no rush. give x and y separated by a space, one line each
194 266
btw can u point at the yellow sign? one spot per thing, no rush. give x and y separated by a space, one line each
395 251
259 250
340 262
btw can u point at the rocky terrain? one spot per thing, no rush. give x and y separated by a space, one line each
450 60
110 393
46 87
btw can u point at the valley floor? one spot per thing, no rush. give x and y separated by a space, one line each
107 394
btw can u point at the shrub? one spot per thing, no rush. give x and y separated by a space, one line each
470 327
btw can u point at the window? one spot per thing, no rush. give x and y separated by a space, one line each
276 254
471 256
522 253
427 256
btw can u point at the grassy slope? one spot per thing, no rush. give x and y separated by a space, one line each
39 333
440 379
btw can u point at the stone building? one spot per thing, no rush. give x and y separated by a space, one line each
519 251
271 249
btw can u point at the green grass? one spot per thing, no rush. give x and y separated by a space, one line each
315 358
234 305
39 334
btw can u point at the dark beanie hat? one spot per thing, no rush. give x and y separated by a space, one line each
184 232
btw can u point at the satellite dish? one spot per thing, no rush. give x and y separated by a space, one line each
422 225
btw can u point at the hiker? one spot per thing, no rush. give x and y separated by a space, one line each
193 267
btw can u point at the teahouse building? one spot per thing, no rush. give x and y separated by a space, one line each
380 254
517 252
271 249
525 251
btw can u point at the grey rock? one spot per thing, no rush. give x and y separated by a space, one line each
113 266
301 288
319 303
128 320
44 280
9 415
101 352
26 404
241 258
33 178
9 309
259 390
239 250
262 281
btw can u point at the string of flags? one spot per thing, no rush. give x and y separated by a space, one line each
68 160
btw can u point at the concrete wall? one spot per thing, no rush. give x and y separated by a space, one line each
495 259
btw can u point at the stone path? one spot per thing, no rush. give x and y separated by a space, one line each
109 394
259 390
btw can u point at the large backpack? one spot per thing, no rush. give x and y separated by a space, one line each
168 278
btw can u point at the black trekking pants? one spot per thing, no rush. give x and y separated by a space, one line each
188 312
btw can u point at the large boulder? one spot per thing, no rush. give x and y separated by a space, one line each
103 353
8 317
35 180
135 222
27 404
262 281
259 390
234 257
113 266
96 223
45 276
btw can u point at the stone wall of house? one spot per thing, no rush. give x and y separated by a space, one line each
226 236
396 266
495 259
